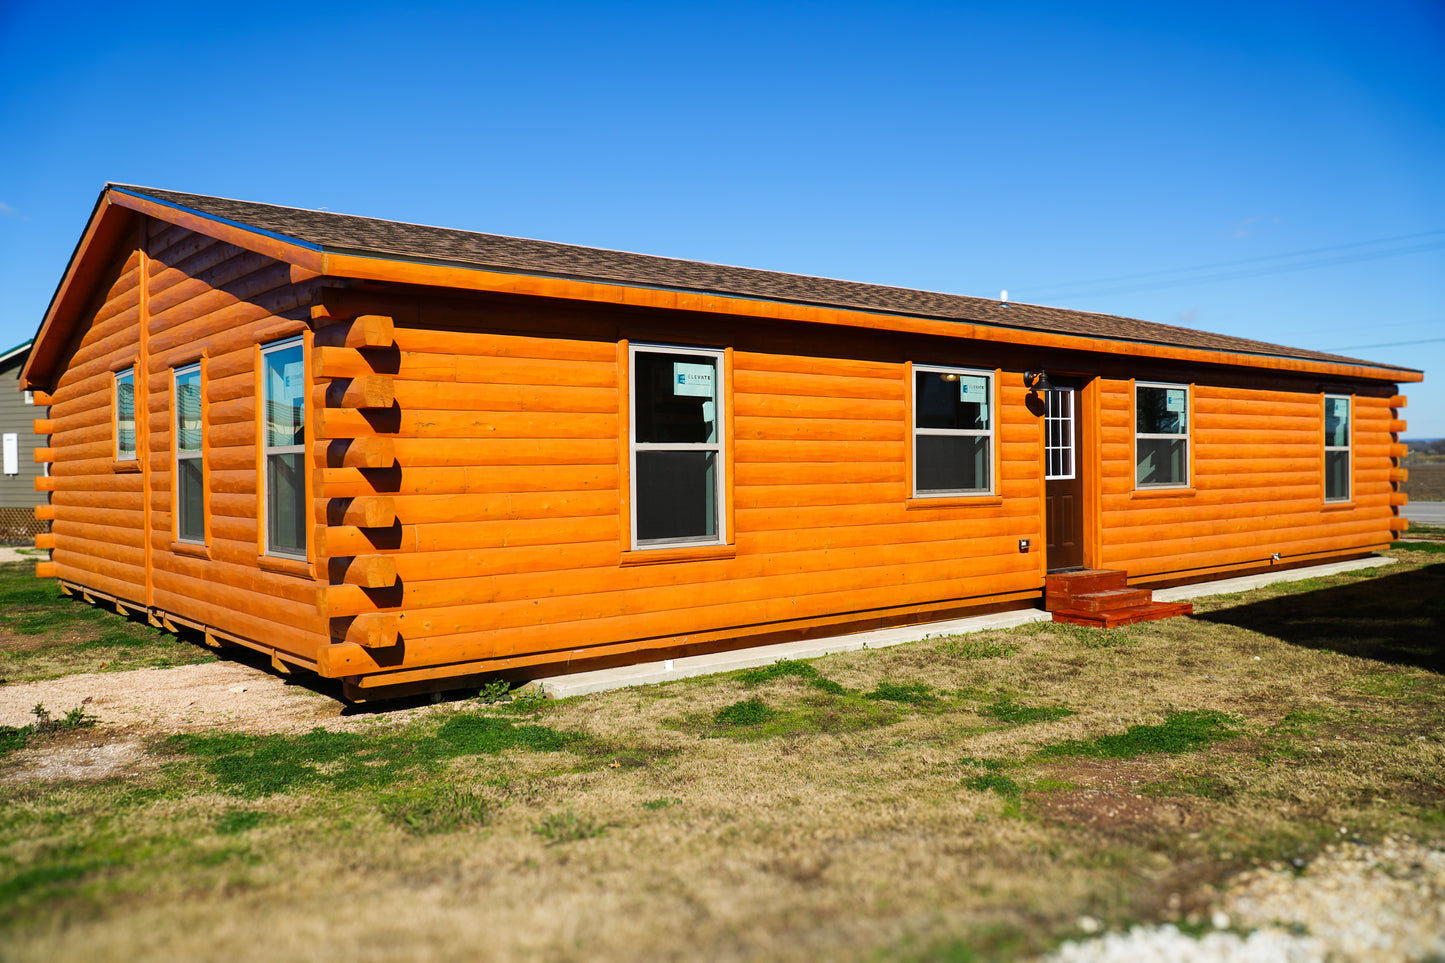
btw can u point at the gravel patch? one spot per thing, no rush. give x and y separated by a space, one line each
1372 904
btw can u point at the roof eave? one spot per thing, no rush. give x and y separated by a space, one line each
470 277
113 215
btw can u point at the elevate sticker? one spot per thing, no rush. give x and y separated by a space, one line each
692 380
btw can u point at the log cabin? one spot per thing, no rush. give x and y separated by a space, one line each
407 457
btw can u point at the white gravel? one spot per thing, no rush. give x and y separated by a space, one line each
1355 902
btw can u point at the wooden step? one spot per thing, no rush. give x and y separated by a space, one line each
1123 598
1147 612
1061 588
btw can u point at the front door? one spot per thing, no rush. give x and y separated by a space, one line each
1063 481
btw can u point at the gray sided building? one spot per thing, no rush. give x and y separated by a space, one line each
18 441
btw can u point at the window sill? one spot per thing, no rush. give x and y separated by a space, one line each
1337 506
691 553
1184 492
193 549
950 501
131 467
285 566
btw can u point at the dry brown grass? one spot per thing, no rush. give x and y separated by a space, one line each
836 837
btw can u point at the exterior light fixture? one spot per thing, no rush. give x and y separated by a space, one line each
1037 380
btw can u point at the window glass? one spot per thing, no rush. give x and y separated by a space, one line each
676 398
677 445
1337 447
125 415
952 431
285 396
1161 436
283 444
190 468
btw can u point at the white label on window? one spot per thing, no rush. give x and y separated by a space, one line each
691 380
1342 407
973 388
1174 399
12 453
294 383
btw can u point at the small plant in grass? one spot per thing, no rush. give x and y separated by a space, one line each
991 765
780 668
432 811
1180 732
748 712
1006 710
568 827
993 782
495 692
912 693
969 647
790 667
18 737
652 805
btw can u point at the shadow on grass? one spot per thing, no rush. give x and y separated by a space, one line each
1399 619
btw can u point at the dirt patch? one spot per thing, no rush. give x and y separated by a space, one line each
1110 798
183 699
79 755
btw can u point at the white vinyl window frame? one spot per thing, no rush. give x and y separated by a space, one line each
124 378
1339 450
184 454
1183 436
269 450
985 433
718 447
1059 433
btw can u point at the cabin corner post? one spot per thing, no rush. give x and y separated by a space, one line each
1398 499
357 418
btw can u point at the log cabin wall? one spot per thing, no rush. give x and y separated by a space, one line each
179 298
512 544
470 457
1258 469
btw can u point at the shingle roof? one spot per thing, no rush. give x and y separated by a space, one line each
365 235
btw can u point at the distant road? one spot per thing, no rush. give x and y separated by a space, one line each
1425 513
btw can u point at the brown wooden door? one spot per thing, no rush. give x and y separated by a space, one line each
1063 481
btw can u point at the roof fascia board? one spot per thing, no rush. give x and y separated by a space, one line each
476 279
280 247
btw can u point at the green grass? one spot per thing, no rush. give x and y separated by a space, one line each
253 766
912 693
747 712
1432 547
1180 732
47 634
1006 710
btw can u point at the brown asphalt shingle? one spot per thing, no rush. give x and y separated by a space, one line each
365 235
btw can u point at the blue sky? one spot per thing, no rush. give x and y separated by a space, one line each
1192 151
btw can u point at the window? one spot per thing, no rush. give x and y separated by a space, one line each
125 415
190 466
283 447
1337 448
677 447
30 397
1161 435
952 431
1059 434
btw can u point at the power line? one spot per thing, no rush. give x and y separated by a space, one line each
1391 344
1051 290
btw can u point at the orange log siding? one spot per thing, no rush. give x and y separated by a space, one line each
468 497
